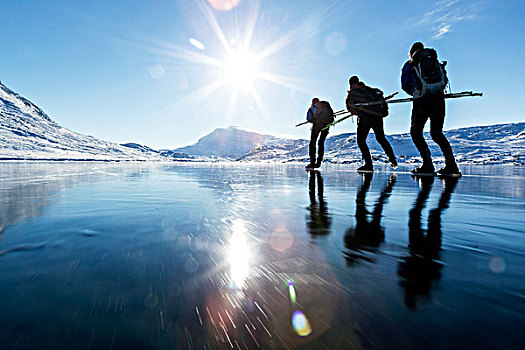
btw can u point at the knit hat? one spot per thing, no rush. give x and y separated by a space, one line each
354 79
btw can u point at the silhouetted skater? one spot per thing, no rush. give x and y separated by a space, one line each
422 266
367 233
369 117
424 78
323 116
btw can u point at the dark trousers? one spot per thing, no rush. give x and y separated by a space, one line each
321 134
364 124
433 108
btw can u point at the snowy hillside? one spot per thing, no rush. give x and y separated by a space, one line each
492 144
228 143
26 132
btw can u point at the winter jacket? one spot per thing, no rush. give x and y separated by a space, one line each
408 78
310 115
350 99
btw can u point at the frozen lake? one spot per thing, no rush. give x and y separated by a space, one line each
162 256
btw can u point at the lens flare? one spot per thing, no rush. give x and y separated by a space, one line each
157 72
335 43
300 324
223 5
497 264
281 239
291 289
197 44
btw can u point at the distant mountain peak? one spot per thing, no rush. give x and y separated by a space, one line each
231 142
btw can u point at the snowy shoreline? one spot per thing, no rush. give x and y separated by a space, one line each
437 162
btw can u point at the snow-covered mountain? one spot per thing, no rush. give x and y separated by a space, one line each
27 132
227 143
491 144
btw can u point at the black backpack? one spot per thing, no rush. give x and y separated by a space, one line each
325 114
368 94
431 76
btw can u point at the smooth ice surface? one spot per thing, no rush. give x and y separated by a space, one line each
224 255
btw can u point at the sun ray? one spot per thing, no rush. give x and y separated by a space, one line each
304 31
283 41
197 96
258 102
233 98
188 55
212 21
170 50
251 22
285 81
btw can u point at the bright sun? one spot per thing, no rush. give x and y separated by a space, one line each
240 68
243 65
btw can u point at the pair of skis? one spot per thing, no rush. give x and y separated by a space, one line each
389 100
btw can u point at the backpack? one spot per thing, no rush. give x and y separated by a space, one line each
325 114
431 76
367 94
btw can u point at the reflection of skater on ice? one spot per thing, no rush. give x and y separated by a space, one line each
318 221
422 266
367 234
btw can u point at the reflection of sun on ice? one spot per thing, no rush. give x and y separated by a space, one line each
239 254
240 68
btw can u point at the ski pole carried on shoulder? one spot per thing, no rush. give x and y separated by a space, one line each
410 99
463 94
338 121
336 114
344 111
302 123
401 100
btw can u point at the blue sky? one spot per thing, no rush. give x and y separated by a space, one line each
126 71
